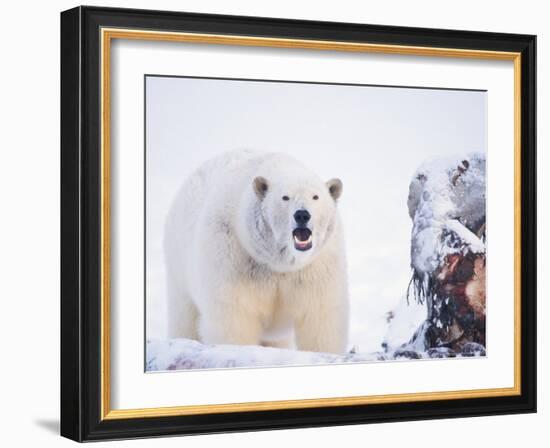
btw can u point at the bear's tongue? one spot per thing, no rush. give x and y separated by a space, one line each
302 238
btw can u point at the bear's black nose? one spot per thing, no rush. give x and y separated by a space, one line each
302 217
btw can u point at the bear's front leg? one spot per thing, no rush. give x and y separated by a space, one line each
230 317
323 330
323 322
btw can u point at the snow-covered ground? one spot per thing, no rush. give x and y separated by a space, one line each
186 354
373 138
178 354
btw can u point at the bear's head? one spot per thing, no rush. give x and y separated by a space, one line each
290 215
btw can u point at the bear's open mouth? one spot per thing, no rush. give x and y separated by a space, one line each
302 238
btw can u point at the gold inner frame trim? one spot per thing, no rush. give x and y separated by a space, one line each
107 35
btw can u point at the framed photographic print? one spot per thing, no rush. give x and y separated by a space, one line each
272 223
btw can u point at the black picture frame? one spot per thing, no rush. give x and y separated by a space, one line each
81 380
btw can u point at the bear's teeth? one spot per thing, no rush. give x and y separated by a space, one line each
302 243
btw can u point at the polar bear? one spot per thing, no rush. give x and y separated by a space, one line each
255 255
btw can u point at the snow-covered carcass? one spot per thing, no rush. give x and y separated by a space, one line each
448 254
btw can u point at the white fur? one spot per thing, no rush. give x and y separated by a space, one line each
234 274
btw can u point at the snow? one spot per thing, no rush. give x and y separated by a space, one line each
405 319
470 241
186 354
182 354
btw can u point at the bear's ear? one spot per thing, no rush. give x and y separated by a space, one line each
260 186
335 188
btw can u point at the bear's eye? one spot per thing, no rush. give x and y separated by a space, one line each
285 198
315 197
